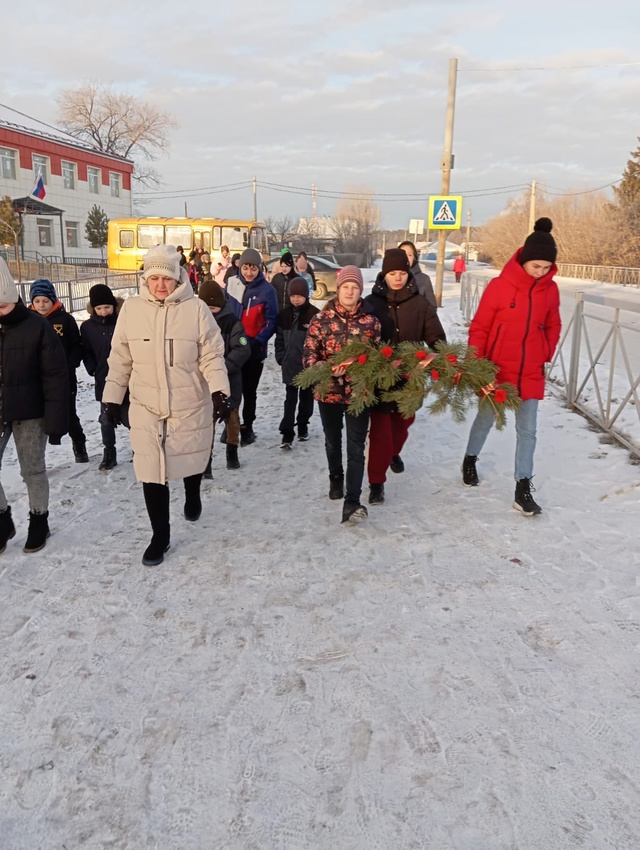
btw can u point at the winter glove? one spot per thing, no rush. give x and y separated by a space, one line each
55 439
257 352
221 406
112 413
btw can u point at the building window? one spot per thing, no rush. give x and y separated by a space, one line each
41 166
94 180
7 163
44 232
69 175
114 182
71 228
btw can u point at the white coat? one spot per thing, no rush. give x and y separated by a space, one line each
170 354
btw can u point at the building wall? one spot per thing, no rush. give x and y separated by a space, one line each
76 202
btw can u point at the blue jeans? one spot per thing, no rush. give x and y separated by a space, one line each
333 416
526 418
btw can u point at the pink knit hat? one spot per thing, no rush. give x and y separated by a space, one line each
350 274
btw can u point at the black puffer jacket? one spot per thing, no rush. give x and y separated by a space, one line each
280 283
236 351
96 335
291 332
405 316
34 380
67 331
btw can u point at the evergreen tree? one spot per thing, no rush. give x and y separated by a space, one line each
9 223
628 190
96 227
627 211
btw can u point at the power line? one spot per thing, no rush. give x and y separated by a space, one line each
583 192
548 68
167 192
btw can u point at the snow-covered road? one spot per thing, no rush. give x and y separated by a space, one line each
446 676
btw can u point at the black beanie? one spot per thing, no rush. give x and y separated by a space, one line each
287 258
539 245
395 260
299 286
100 296
211 293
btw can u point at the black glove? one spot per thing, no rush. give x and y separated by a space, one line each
112 412
257 351
55 439
221 406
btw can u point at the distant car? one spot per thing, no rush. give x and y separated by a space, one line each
324 271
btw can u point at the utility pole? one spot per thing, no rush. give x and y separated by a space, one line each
186 212
532 206
466 248
255 199
314 201
447 165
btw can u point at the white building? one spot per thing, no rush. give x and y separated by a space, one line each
76 176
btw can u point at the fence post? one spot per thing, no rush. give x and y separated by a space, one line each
463 286
574 363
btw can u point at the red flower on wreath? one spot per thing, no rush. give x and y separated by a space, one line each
500 396
362 359
387 351
435 375
451 358
421 355
456 378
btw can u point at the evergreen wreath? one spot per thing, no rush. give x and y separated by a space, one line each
405 374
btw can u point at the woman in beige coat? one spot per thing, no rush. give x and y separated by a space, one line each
168 351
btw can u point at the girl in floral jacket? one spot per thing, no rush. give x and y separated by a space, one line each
342 320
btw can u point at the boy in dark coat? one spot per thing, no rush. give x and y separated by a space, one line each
34 404
96 335
44 301
236 353
282 280
291 332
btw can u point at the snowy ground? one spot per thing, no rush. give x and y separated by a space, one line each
449 675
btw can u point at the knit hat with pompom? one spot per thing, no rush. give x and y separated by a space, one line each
540 245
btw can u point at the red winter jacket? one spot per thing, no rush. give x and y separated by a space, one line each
459 265
517 326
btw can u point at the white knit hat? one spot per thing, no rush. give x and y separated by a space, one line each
164 260
8 289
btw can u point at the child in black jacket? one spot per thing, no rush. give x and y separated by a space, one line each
291 332
96 335
44 301
236 353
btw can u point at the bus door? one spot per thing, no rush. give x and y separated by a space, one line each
235 238
202 239
258 240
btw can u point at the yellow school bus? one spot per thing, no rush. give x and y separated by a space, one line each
130 238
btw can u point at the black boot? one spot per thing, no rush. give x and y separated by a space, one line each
247 435
7 528
397 464
109 459
303 433
524 500
336 486
80 452
156 497
353 512
192 501
207 472
469 473
223 436
376 494
38 532
232 457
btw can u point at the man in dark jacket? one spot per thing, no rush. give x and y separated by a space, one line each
282 280
44 301
34 404
293 323
237 352
405 316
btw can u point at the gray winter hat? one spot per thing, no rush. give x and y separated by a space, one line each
250 257
8 289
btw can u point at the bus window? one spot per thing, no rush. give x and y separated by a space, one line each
237 238
259 240
126 238
216 239
150 234
202 239
178 234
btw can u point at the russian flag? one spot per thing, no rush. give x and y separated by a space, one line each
38 190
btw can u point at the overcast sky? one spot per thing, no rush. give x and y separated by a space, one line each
345 93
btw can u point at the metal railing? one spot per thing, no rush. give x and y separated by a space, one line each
32 269
471 288
596 367
74 293
604 274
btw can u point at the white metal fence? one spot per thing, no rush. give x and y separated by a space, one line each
596 367
74 294
605 274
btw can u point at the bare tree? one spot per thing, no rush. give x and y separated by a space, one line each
116 123
280 230
356 219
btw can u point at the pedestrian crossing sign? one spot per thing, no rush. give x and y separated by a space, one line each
445 212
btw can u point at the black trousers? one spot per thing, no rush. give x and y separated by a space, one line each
303 401
251 374
334 416
75 428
